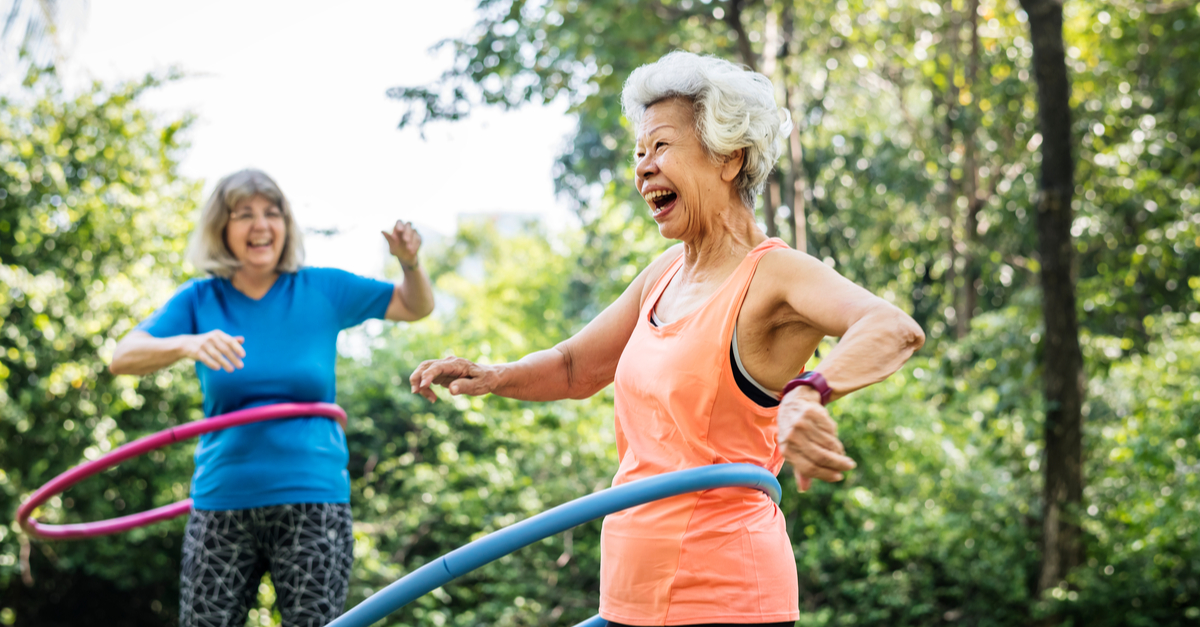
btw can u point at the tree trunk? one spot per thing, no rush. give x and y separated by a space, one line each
794 191
950 198
1062 363
798 218
733 18
772 198
970 118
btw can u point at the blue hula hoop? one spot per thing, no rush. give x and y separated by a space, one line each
465 559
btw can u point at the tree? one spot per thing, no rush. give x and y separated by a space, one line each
37 33
900 108
1062 360
918 136
93 221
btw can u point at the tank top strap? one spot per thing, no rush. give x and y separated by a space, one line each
730 304
661 284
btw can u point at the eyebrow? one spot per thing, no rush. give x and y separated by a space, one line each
654 130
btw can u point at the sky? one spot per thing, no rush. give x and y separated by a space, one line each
297 89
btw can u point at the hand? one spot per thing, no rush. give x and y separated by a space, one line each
808 436
216 349
404 242
457 375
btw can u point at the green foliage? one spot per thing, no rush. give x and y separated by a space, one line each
1143 491
1138 219
937 524
430 478
92 226
901 118
899 114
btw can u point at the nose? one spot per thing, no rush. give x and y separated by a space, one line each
646 166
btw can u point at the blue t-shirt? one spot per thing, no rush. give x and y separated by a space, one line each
291 346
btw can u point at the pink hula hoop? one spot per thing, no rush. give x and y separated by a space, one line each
59 484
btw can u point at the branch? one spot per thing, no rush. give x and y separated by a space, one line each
733 18
1159 9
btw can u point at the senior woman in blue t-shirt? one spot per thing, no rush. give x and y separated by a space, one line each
263 330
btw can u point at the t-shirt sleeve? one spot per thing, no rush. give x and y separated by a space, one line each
177 317
355 298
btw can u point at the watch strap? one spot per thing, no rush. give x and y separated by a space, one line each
814 380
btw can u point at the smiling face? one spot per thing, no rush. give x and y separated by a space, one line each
256 233
683 185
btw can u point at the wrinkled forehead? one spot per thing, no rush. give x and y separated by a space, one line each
673 114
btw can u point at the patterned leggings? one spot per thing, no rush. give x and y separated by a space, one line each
307 547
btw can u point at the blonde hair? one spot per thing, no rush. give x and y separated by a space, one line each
208 250
734 108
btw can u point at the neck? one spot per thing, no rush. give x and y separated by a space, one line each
254 283
729 235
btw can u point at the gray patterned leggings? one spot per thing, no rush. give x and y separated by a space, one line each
307 547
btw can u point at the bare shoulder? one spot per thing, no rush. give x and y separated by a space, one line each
787 277
655 270
787 260
784 268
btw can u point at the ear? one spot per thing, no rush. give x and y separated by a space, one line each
733 165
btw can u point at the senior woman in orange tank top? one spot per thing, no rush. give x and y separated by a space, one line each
704 348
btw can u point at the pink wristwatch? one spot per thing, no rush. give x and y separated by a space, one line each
812 379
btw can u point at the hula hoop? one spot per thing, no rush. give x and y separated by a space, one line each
496 545
59 484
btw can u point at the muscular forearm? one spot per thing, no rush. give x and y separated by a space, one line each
871 350
144 353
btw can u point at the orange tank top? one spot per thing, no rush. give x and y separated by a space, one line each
715 556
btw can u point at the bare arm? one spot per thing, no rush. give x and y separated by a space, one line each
876 339
576 368
141 353
412 299
876 346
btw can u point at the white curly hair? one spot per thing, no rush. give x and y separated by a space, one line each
733 107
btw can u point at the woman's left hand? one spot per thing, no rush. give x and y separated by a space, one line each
403 243
808 437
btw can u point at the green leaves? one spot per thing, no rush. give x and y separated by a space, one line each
94 221
899 113
430 478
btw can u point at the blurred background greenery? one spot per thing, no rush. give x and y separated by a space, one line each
913 171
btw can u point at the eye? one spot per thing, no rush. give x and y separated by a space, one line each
660 144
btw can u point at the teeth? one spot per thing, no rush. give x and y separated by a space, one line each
653 197
656 194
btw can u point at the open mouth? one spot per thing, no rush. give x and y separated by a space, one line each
261 245
660 199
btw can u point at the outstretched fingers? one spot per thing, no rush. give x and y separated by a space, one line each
457 375
424 376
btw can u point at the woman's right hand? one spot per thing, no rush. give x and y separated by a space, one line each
808 439
456 374
216 349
